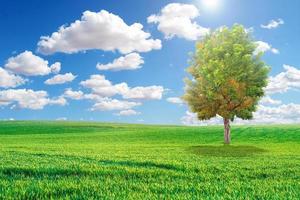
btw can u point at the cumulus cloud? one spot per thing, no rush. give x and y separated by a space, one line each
61 119
108 104
282 114
102 91
29 64
60 79
263 47
99 85
98 30
9 80
76 95
58 101
93 97
191 119
79 95
270 101
128 62
176 19
128 113
150 92
103 87
175 100
284 81
29 99
273 24
55 68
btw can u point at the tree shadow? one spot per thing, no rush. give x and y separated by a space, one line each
226 150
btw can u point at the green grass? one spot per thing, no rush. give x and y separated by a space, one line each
76 160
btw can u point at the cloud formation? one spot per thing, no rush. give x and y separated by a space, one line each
29 99
29 64
108 104
269 101
128 113
146 93
98 30
176 19
130 61
76 95
103 87
284 81
263 47
273 24
9 80
175 100
282 114
60 79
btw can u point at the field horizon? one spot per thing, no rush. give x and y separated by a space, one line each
147 124
75 160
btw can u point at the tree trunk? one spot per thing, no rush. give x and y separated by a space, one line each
226 131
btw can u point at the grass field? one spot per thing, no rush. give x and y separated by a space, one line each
77 160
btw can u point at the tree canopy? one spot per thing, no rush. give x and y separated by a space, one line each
228 79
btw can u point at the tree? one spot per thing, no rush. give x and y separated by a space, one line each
228 79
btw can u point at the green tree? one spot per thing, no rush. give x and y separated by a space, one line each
228 79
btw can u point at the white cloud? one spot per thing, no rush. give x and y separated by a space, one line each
128 62
273 24
58 101
175 100
176 19
29 99
99 85
150 92
98 30
113 104
79 95
191 119
9 80
263 47
61 119
128 113
60 79
103 87
282 114
29 64
284 81
69 93
55 68
93 97
270 101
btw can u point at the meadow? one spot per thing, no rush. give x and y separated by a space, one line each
82 160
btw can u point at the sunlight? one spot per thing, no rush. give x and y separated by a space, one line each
211 4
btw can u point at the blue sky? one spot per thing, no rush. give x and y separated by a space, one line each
158 63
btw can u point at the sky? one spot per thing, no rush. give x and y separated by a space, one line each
125 61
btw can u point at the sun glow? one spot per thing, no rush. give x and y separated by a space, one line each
211 4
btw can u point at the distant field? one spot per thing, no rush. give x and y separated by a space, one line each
76 160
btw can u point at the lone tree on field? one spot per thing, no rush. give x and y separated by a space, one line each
227 77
